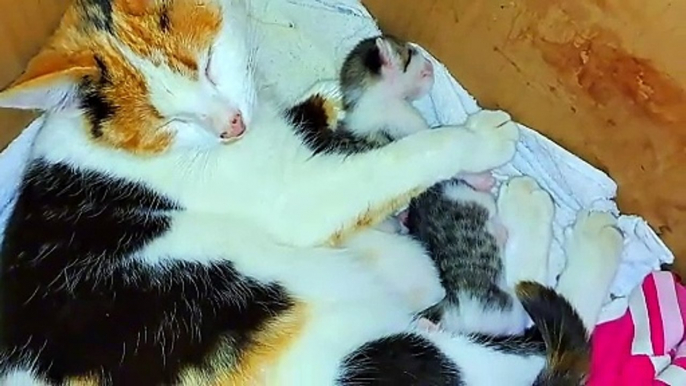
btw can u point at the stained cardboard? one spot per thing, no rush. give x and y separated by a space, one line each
603 78
24 27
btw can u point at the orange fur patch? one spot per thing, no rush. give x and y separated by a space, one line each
174 33
373 216
83 381
267 346
136 126
50 64
332 109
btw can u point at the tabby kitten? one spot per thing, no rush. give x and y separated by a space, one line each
144 250
461 229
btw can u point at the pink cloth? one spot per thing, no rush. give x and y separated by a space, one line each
647 345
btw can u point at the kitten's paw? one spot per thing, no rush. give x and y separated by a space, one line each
523 206
495 135
594 241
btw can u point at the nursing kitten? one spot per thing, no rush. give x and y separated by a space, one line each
460 228
143 251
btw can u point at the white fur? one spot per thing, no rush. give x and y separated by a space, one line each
21 378
464 193
593 248
377 109
402 264
269 177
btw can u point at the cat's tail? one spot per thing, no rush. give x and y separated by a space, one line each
567 343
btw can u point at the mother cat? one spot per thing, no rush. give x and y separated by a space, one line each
143 250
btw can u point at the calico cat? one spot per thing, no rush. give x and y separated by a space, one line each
144 250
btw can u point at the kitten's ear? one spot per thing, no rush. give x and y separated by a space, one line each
49 81
388 56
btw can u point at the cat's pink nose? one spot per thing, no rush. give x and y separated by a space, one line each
235 129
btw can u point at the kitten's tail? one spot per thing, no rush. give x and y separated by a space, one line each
566 339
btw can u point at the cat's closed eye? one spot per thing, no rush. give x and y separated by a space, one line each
208 69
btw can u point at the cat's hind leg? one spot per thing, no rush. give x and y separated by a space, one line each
593 249
526 211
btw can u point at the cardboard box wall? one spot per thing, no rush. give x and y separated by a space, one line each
604 78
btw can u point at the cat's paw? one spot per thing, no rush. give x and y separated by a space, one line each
523 206
495 136
594 241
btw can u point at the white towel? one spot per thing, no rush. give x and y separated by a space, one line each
306 40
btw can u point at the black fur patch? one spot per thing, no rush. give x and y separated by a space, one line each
528 344
165 23
75 299
372 58
97 13
310 122
403 359
97 108
564 334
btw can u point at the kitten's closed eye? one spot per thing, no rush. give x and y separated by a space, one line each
411 52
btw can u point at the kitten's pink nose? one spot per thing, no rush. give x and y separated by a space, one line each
235 129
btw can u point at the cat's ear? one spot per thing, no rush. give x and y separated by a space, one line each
50 81
386 53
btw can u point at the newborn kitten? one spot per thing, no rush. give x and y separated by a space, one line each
459 227
379 80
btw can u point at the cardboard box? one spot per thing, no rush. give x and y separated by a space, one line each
24 27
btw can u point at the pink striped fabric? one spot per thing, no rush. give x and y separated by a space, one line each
647 345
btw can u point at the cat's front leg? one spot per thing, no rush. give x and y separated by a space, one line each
333 196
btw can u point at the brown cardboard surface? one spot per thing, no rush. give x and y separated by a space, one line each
24 26
603 78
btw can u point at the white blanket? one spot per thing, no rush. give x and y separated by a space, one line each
306 40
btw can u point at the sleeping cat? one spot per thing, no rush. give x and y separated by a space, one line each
143 250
